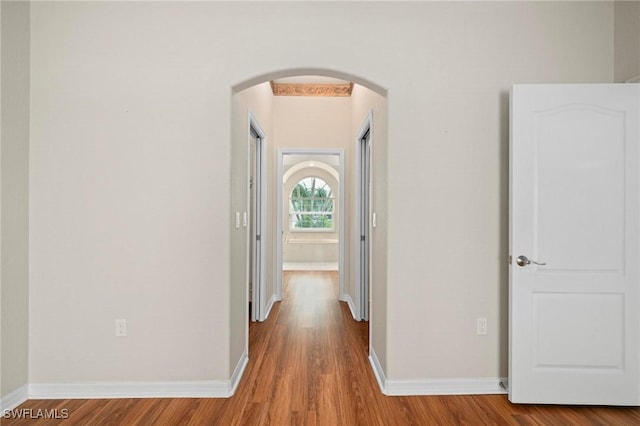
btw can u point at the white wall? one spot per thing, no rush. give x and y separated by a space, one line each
449 267
14 137
131 158
129 209
365 102
259 101
2 404
627 40
317 123
312 122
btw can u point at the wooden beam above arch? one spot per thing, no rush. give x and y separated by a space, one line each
311 89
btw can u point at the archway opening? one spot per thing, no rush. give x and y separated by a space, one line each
312 123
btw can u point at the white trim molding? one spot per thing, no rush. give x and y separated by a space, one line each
377 370
195 389
465 386
14 399
239 370
349 301
363 289
186 389
270 304
259 216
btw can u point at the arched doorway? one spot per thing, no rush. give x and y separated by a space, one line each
256 96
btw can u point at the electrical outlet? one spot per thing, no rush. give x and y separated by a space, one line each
481 326
121 327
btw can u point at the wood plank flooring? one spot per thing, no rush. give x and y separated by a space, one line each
308 366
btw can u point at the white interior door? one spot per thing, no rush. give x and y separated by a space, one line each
574 189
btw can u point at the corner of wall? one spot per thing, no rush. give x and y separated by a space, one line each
14 399
366 101
626 48
256 99
14 199
378 371
1 323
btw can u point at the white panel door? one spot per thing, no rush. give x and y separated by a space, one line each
574 331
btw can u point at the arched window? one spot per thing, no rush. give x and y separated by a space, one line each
311 205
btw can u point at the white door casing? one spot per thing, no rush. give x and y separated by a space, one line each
362 216
280 226
574 325
257 244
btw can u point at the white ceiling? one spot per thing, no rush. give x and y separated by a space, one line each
331 160
310 79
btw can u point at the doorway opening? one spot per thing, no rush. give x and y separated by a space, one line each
364 220
257 220
320 127
310 216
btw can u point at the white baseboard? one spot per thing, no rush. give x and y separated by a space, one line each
270 304
347 298
465 386
14 399
377 370
195 389
238 372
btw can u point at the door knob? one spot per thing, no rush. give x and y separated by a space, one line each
523 260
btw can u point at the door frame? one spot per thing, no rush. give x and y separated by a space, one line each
259 210
279 213
363 290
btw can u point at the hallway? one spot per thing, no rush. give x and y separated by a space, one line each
308 366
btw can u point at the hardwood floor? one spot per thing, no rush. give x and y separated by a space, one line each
308 366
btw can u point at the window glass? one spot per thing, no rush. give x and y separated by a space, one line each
311 205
